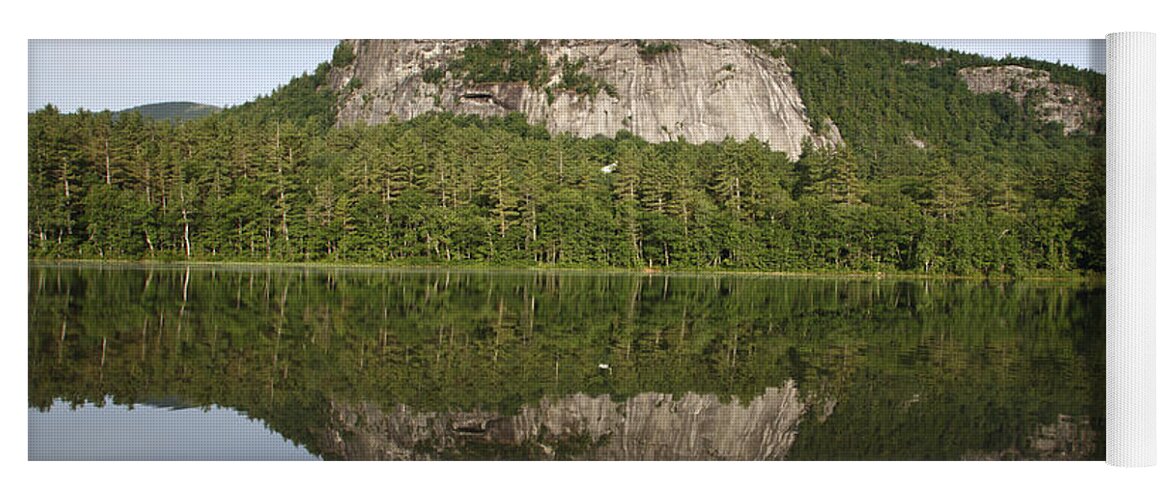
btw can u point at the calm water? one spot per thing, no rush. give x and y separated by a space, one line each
177 362
156 430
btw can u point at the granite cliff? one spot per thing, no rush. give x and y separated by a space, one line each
698 90
1071 106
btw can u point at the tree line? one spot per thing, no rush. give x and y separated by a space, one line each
273 180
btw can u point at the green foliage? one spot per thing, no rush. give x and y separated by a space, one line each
501 61
572 78
435 75
306 100
343 55
652 50
909 120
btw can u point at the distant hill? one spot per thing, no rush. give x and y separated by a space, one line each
175 111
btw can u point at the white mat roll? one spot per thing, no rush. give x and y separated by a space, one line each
1130 242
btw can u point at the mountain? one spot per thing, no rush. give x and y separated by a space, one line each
173 111
779 155
781 92
698 90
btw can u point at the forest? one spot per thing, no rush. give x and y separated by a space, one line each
995 193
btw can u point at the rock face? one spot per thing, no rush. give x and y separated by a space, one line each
1070 105
649 426
1069 438
703 90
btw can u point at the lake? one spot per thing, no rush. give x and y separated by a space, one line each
188 362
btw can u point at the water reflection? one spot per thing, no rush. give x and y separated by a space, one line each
648 426
365 364
112 431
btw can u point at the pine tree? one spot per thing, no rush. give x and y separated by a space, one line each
838 182
628 171
949 193
498 184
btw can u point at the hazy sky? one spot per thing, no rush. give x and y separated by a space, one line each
1086 54
118 74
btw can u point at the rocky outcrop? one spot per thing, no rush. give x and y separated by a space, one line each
702 90
649 426
1070 105
1069 438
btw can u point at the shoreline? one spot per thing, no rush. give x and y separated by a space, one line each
1083 278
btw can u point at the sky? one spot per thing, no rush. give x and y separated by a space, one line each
1085 54
119 74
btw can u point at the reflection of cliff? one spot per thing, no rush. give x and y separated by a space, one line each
649 426
1070 438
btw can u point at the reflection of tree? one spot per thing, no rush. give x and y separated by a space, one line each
910 369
